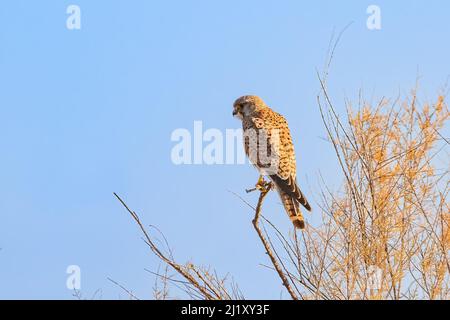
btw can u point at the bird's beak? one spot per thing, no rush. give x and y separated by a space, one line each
234 113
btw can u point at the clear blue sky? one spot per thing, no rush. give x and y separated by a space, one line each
85 113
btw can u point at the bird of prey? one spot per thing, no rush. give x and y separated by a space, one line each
269 147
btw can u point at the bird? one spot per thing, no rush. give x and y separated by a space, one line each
269 147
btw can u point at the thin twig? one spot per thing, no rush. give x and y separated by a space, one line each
275 262
124 289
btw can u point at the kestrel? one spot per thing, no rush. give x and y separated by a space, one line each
269 147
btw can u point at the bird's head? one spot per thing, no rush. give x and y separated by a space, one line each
247 105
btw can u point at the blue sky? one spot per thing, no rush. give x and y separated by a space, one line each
85 113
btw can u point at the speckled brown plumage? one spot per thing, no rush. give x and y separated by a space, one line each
274 138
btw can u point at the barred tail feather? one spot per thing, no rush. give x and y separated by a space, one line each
293 210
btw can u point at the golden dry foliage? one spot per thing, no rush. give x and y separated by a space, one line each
385 235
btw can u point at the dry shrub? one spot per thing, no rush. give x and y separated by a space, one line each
385 235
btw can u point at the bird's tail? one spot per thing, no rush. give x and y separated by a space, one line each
293 210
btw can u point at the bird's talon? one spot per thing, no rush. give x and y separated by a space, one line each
264 186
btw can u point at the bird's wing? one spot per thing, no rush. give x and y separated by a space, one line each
290 187
285 177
